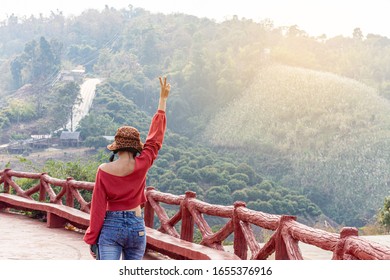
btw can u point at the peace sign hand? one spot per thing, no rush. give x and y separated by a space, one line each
165 88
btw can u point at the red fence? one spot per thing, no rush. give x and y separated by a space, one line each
284 242
69 188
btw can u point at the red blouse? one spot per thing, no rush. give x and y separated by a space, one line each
117 193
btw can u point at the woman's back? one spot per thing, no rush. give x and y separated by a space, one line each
122 167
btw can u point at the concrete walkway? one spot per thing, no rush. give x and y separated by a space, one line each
24 238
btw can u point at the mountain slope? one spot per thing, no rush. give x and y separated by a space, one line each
314 131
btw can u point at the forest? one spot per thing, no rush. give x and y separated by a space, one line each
289 123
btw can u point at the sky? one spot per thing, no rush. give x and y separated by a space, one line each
316 17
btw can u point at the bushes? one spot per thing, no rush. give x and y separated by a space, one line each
19 111
235 184
221 181
384 214
219 195
96 142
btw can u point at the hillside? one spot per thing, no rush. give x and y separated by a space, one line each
185 165
308 133
328 135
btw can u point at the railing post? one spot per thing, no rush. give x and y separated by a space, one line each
69 196
339 252
6 184
187 221
148 210
240 244
42 189
280 245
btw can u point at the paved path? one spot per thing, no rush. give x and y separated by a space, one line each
24 238
87 94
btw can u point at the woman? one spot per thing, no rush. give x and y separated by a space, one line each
116 223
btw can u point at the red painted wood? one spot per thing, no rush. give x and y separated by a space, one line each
187 224
291 246
42 191
241 239
55 221
173 246
250 240
21 174
223 233
240 220
15 186
266 250
316 237
69 195
33 190
280 245
50 192
365 250
4 177
261 219
61 211
148 210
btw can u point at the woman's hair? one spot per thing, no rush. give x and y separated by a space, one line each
131 150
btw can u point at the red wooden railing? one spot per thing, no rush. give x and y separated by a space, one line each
284 242
69 188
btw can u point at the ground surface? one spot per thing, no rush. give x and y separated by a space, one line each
24 238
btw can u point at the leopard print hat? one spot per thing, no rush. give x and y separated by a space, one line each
126 137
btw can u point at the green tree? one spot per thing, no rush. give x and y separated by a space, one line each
262 206
266 185
219 195
96 142
44 64
95 124
211 175
384 214
66 98
83 54
235 184
16 71
241 177
357 34
77 169
187 174
39 63
20 110
240 195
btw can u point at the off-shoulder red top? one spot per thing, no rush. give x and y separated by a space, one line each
116 193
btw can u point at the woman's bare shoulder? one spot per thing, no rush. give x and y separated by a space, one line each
103 166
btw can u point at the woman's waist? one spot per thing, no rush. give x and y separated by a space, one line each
125 203
123 218
136 211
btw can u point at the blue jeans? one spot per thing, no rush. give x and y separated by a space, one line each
122 232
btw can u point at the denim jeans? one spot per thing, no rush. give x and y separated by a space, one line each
123 233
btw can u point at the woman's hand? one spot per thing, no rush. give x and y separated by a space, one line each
165 88
93 250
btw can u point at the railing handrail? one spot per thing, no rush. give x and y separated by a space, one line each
284 241
69 188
